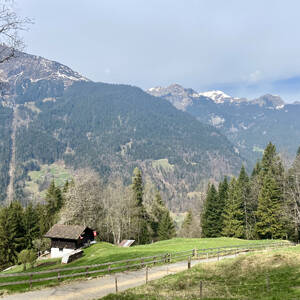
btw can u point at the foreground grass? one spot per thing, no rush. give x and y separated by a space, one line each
105 252
267 275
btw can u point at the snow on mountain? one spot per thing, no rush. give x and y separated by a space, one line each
216 96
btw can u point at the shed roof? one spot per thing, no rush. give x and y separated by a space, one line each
71 232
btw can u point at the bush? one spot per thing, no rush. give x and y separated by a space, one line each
27 256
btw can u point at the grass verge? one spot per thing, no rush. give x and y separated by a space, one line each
268 275
105 252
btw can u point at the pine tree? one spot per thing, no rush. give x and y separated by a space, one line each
271 219
234 212
138 187
243 183
166 228
54 202
223 198
269 223
141 217
11 233
298 152
31 225
16 219
212 214
8 239
158 209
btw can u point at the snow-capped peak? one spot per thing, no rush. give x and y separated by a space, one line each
216 96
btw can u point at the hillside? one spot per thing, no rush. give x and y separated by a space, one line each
268 275
248 124
60 116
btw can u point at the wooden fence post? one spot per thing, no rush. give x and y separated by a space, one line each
218 254
30 281
146 274
207 255
108 268
142 262
195 253
58 276
116 283
201 289
86 272
189 262
154 258
267 283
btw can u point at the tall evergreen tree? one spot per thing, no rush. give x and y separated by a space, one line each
8 239
211 217
31 225
269 220
54 202
162 223
233 225
12 233
16 217
141 217
243 183
166 227
223 198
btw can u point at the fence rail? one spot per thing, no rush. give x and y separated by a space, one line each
133 263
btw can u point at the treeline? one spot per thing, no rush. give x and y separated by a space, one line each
114 210
23 228
264 205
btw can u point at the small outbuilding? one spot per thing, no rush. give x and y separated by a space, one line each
67 238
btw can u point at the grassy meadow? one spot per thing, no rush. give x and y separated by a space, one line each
104 252
267 275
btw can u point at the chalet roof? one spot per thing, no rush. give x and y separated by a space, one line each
71 232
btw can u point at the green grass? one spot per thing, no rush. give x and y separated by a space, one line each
104 252
164 164
244 277
39 180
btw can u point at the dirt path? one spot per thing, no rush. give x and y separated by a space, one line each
99 287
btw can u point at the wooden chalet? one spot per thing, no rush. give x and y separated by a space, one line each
67 238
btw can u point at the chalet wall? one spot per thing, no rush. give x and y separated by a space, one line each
61 243
56 252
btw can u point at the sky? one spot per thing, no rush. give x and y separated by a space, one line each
245 48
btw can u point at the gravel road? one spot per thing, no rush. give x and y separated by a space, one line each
95 288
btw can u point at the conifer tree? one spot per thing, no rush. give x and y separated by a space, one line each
292 195
243 185
223 198
141 217
212 214
234 212
11 233
16 220
8 239
269 223
166 228
158 210
31 225
54 202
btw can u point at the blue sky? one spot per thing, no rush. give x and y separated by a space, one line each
246 48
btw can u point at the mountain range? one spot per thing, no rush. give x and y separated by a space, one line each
248 124
51 115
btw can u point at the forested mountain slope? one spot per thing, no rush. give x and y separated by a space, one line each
61 116
248 124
